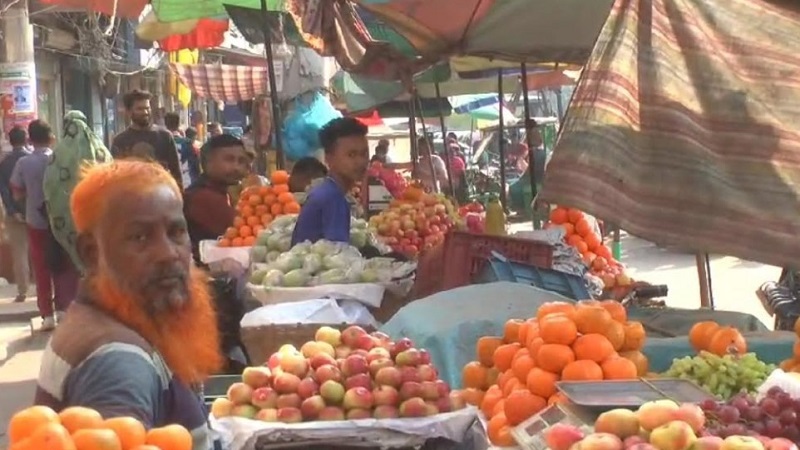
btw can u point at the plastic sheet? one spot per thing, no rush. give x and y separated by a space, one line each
243 434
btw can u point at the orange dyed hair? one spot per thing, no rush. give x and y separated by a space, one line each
101 184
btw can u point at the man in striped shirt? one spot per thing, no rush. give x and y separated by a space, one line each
142 335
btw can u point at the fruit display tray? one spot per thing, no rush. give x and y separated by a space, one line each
631 393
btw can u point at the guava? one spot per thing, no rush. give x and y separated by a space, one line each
296 278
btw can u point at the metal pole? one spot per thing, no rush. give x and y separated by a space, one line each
529 129
501 145
273 88
429 141
444 141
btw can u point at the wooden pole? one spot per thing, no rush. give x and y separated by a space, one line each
702 275
429 141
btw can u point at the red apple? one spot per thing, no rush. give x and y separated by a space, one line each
244 411
222 407
457 401
307 388
389 376
264 398
286 383
561 436
331 413
409 357
330 335
410 389
256 377
332 392
429 391
424 357
386 412
326 373
312 406
431 409
378 353
240 393
427 373
443 387
379 364
342 352
385 396
290 415
413 407
357 398
410 374
365 342
358 413
351 334
359 352
321 359
360 380
354 365
400 346
288 401
294 363
274 361
443 405
267 415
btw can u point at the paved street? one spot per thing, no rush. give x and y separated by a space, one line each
734 283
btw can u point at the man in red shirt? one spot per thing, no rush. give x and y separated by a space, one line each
207 203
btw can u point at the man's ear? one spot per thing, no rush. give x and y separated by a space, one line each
86 246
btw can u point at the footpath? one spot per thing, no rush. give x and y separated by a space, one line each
20 355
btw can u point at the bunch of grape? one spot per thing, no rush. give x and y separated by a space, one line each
776 415
723 376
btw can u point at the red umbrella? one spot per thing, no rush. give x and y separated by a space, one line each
129 9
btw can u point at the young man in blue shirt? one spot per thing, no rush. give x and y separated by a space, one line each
326 212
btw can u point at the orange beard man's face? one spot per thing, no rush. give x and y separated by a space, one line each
140 271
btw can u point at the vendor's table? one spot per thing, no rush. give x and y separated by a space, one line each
449 323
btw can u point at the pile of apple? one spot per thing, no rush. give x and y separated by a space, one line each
394 182
474 216
343 375
656 425
415 223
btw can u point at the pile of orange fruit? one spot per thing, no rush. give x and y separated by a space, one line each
792 364
596 254
514 376
79 428
258 206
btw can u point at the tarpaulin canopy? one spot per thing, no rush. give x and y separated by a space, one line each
534 31
223 82
684 128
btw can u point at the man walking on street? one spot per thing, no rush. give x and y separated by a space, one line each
16 231
143 140
56 277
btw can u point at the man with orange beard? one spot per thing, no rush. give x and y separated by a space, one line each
141 337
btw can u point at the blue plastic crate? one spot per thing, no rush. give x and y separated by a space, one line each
566 284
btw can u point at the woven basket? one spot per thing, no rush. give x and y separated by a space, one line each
261 342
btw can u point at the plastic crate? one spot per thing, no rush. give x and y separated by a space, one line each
466 254
566 284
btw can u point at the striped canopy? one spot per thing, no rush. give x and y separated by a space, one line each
684 128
